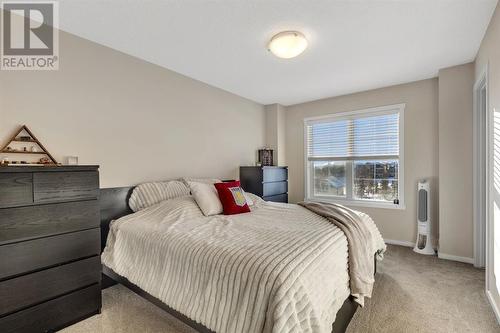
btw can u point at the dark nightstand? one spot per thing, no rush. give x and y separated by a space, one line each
268 182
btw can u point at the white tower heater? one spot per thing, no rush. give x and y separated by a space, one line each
423 244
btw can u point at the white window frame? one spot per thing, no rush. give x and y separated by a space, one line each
376 111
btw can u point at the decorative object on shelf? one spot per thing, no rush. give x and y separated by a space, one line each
17 137
266 157
71 160
45 160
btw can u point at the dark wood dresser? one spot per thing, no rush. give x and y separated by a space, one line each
268 182
50 268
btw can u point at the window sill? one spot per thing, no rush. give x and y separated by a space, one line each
358 203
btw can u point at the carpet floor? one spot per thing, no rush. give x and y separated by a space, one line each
413 293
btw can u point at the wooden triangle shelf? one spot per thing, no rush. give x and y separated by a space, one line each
30 138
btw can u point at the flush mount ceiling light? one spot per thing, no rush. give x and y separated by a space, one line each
287 44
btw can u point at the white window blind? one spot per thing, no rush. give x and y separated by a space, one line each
354 138
356 157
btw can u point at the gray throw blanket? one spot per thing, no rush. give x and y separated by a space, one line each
361 244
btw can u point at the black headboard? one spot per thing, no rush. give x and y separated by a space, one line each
113 204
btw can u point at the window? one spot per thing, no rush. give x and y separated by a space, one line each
356 157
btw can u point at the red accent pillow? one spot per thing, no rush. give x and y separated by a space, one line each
232 198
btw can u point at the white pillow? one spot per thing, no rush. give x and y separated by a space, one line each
206 197
148 194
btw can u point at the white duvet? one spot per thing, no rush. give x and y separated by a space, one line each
280 268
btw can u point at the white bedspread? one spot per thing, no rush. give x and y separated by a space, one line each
280 268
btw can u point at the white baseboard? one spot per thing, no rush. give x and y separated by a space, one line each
466 260
494 306
398 242
440 254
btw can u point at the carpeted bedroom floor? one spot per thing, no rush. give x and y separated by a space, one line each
413 293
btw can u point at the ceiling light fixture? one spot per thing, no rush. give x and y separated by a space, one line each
287 44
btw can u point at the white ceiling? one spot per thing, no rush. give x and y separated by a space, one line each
354 45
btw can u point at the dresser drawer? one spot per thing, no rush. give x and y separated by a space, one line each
275 188
16 189
27 290
274 174
54 314
22 223
23 257
277 198
65 186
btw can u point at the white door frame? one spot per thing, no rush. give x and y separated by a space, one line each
481 123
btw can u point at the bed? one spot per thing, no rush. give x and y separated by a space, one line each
280 268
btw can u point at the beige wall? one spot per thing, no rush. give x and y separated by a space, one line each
275 131
455 161
138 121
489 54
421 147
